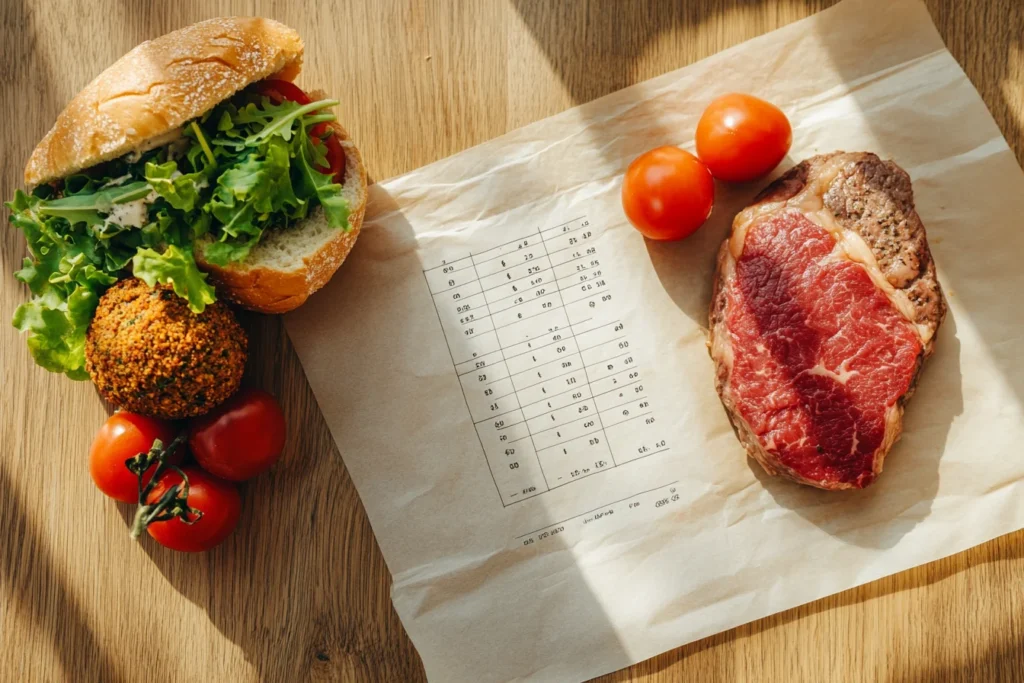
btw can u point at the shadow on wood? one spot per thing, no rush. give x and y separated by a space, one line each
35 589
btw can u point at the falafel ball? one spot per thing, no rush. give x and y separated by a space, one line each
147 352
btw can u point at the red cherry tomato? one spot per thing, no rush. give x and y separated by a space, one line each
241 438
278 91
667 193
218 501
742 138
123 436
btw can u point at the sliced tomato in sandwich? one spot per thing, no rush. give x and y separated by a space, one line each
278 91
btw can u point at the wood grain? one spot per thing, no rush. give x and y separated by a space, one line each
301 592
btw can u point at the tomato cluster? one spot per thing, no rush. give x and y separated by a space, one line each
188 507
668 193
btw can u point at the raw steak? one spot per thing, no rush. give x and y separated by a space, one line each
825 306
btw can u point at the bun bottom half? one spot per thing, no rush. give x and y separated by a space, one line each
288 265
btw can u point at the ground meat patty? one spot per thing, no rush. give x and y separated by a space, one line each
148 353
826 305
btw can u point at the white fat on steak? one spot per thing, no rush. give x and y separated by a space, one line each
811 204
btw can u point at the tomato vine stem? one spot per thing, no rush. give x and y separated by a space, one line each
173 502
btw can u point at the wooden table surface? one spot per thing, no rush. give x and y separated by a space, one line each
301 591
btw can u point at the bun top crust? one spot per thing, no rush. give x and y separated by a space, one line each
160 85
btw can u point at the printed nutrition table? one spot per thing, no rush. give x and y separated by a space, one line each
547 368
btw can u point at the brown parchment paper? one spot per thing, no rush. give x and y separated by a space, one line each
734 545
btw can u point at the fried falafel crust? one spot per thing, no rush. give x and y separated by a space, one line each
147 352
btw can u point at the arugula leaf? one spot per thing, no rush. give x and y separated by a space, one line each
201 139
177 268
281 195
248 181
80 183
336 210
224 123
279 119
86 208
322 186
237 191
246 197
167 228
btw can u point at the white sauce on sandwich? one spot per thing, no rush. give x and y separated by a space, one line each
133 214
130 214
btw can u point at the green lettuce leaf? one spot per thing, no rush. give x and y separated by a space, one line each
177 268
250 196
91 209
180 190
230 251
66 277
57 329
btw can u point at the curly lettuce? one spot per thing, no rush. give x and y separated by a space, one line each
175 267
244 167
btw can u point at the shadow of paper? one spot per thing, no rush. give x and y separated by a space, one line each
618 52
911 473
626 41
682 268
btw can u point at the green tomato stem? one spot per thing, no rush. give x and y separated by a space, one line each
174 502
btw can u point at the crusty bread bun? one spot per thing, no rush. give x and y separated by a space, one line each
158 86
286 266
143 99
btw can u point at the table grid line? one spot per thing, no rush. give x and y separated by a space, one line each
550 267
553 293
502 351
490 470
506 253
587 375
522 407
499 246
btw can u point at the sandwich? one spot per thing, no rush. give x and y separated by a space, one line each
193 163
